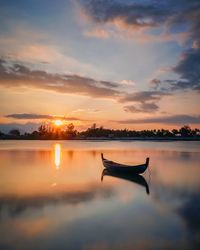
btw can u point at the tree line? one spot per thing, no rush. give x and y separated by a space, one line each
69 132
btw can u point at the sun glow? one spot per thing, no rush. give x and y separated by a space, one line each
58 122
57 154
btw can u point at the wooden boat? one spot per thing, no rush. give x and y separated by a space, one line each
136 178
122 168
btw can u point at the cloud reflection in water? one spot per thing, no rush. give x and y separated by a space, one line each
82 213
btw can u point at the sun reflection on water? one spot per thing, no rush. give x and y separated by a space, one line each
57 155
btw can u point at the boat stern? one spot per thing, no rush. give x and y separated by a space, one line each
147 161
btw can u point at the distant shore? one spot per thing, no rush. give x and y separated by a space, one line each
94 133
109 139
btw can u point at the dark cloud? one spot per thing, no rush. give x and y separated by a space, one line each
39 116
189 70
142 13
143 96
132 13
171 16
143 107
188 66
173 119
146 101
18 75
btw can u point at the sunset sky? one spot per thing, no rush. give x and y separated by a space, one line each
117 63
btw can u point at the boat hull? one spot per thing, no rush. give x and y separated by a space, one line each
127 170
121 168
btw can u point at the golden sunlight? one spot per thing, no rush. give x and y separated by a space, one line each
58 122
57 155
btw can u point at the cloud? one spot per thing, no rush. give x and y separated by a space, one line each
26 116
135 14
172 20
143 96
89 110
140 14
26 44
188 67
173 119
189 70
29 116
140 18
128 82
143 107
155 83
18 75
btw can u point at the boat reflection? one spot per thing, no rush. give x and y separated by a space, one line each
138 179
57 155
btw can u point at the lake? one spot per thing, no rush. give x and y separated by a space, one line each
53 196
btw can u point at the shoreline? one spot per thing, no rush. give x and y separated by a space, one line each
108 139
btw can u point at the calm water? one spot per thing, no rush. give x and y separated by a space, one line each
52 197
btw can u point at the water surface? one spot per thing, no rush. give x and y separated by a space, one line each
52 196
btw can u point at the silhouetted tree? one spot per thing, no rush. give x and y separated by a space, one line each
175 132
35 134
93 126
196 132
14 132
185 131
70 132
43 131
53 132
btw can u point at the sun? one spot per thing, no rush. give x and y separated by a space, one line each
58 122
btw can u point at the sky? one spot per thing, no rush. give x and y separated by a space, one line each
117 63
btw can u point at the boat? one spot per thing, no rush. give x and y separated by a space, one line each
136 178
122 168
